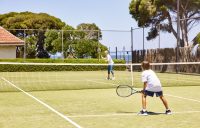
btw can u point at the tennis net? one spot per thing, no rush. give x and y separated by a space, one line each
57 76
62 76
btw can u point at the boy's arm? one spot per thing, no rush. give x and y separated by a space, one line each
144 86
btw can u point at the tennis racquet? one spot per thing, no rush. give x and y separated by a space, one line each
125 91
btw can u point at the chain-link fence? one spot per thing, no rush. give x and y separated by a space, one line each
86 43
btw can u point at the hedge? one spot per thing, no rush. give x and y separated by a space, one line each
40 67
36 68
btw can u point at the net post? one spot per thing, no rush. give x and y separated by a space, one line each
131 74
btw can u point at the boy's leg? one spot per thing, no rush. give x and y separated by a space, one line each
112 73
108 76
168 111
144 95
160 94
164 102
144 101
113 76
143 111
109 70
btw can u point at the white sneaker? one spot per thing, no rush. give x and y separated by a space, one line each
143 113
168 112
113 78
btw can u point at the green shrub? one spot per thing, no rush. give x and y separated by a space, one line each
38 68
35 68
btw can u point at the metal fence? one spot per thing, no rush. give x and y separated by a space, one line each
65 43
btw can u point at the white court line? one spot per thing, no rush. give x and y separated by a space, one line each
182 98
164 94
101 82
44 104
128 114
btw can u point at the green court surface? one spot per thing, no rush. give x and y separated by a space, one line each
88 100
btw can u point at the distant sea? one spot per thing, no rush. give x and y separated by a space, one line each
127 58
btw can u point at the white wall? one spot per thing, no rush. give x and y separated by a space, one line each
7 52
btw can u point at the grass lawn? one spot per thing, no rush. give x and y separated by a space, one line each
97 108
89 100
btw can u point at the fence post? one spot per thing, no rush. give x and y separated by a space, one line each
178 35
116 52
24 45
132 44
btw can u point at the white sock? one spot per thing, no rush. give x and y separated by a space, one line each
144 110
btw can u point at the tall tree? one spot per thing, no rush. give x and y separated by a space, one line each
53 40
90 31
162 14
85 43
29 20
31 42
86 48
91 36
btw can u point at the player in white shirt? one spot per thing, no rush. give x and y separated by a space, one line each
110 66
151 85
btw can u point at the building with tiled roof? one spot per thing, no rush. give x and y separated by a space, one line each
8 44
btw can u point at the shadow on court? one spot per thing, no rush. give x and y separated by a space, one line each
155 113
149 113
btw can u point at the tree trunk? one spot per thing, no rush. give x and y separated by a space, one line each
173 31
184 16
184 29
171 26
41 52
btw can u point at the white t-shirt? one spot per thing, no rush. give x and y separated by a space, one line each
153 83
109 59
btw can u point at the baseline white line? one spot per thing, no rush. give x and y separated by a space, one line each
182 98
44 104
127 114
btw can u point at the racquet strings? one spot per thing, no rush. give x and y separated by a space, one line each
124 91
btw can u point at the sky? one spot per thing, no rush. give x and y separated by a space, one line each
108 15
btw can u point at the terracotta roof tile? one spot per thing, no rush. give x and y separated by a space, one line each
6 38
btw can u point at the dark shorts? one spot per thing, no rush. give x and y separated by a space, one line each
110 68
149 93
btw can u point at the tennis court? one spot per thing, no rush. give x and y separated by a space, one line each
86 99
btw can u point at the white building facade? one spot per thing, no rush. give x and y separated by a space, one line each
9 44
